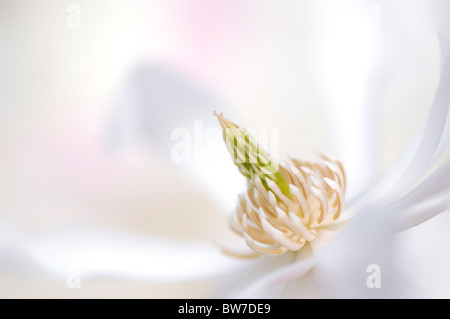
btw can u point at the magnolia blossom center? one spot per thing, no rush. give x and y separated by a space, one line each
272 222
285 204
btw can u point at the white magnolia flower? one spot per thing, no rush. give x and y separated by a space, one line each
334 267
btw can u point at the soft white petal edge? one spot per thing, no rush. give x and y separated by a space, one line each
96 253
424 211
432 141
284 274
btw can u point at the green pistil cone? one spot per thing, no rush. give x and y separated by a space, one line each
250 158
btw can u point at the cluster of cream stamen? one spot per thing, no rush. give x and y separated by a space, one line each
285 204
272 223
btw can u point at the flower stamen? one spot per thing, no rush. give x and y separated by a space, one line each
283 208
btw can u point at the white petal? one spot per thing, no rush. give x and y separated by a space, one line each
437 183
283 274
409 169
422 212
98 253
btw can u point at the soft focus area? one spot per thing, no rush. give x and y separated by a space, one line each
93 93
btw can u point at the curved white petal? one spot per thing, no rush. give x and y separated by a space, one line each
429 199
436 183
266 285
434 139
95 253
343 266
424 211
